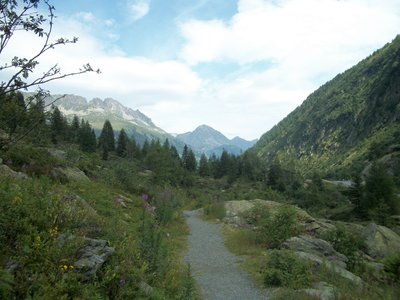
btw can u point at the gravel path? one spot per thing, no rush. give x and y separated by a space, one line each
215 269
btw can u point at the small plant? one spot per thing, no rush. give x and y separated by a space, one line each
215 209
275 229
348 243
284 269
392 267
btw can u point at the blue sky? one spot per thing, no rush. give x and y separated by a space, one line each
239 66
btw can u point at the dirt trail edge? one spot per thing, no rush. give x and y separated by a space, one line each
215 269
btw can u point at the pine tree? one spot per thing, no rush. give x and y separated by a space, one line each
188 159
122 143
107 139
86 137
58 126
204 169
379 189
356 194
74 128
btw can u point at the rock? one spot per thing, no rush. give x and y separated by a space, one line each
145 288
319 227
6 171
375 268
59 154
322 291
380 241
332 266
119 201
73 174
234 210
92 257
321 248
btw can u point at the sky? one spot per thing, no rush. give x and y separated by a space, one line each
239 66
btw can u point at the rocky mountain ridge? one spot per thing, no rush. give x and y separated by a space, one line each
207 140
350 119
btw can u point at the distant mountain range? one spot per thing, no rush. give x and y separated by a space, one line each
202 140
348 122
96 111
205 139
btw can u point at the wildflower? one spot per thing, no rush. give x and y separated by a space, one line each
53 232
38 242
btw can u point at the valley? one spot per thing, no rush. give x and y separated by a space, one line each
98 202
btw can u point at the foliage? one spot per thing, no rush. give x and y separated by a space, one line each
26 16
107 139
348 243
122 143
349 119
32 160
392 267
188 159
283 268
273 228
216 209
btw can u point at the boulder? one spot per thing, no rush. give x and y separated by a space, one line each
322 291
380 241
72 174
319 226
6 171
145 288
318 261
92 257
321 248
236 209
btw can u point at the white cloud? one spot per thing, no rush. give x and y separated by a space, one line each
304 42
138 9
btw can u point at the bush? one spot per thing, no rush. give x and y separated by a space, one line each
284 269
274 229
215 209
33 161
392 267
348 243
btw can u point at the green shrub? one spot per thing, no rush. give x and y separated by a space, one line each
392 267
348 243
216 209
31 160
284 269
275 229
166 204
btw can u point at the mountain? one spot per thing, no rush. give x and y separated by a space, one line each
96 111
348 121
205 139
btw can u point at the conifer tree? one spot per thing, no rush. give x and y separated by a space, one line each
379 189
122 143
58 125
188 159
204 169
86 137
107 139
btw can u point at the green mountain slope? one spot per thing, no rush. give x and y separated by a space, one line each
351 118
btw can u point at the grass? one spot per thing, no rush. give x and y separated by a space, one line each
246 243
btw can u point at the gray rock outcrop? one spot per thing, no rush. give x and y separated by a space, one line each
6 171
321 248
92 257
380 241
322 291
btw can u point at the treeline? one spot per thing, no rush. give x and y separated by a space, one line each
27 120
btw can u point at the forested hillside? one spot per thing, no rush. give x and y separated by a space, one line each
351 118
